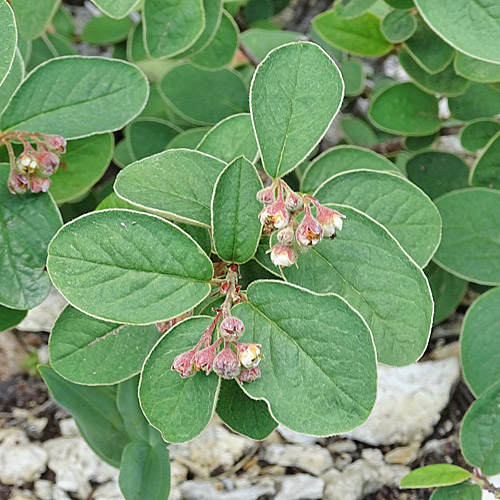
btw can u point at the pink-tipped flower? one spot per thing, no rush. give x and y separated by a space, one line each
331 220
26 163
47 163
294 202
283 256
310 231
226 364
56 143
249 375
183 363
286 236
266 195
204 359
231 328
40 184
18 183
275 216
249 355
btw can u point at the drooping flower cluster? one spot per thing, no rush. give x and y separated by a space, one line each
32 169
226 356
282 206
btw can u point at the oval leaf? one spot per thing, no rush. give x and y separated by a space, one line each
128 267
388 289
391 200
486 170
430 476
398 25
236 227
103 94
480 100
476 70
179 408
470 245
182 188
290 82
9 40
310 361
32 19
462 491
10 317
89 351
477 133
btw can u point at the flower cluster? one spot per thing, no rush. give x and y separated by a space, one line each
282 206
32 169
225 356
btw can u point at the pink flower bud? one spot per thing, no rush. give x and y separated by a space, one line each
56 143
249 375
249 355
204 359
26 163
226 364
331 220
17 183
266 195
310 231
48 163
294 202
183 363
282 255
231 328
40 184
286 236
275 216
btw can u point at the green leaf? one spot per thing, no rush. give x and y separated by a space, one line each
242 414
220 51
182 188
447 291
456 21
470 223
179 408
122 156
171 27
213 95
400 4
48 47
419 143
353 74
342 159
113 201
360 36
189 139
430 476
292 80
63 22
479 342
430 51
27 224
405 109
236 227
85 162
105 30
462 491
480 430
476 70
10 317
93 89
486 169
398 25
348 9
330 365
116 8
128 267
480 100
95 412
148 136
12 80
388 289
88 351
145 471
230 138
401 207
9 40
33 18
437 173
477 133
261 41
446 82
357 131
